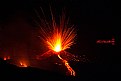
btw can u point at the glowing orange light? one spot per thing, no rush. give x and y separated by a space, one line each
71 71
58 37
23 64
61 39
6 58
56 45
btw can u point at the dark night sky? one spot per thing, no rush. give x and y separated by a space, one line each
94 20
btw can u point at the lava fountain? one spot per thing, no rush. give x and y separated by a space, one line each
58 38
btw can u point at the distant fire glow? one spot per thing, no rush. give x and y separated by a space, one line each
58 37
23 64
6 57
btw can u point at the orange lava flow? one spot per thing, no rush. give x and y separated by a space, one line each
71 71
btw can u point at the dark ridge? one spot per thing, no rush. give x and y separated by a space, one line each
14 73
84 72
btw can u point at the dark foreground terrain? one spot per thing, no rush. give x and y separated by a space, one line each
87 72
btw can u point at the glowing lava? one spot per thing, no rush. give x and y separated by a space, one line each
60 42
58 37
55 46
23 64
71 71
6 58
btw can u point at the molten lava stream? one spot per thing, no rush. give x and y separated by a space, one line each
71 71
